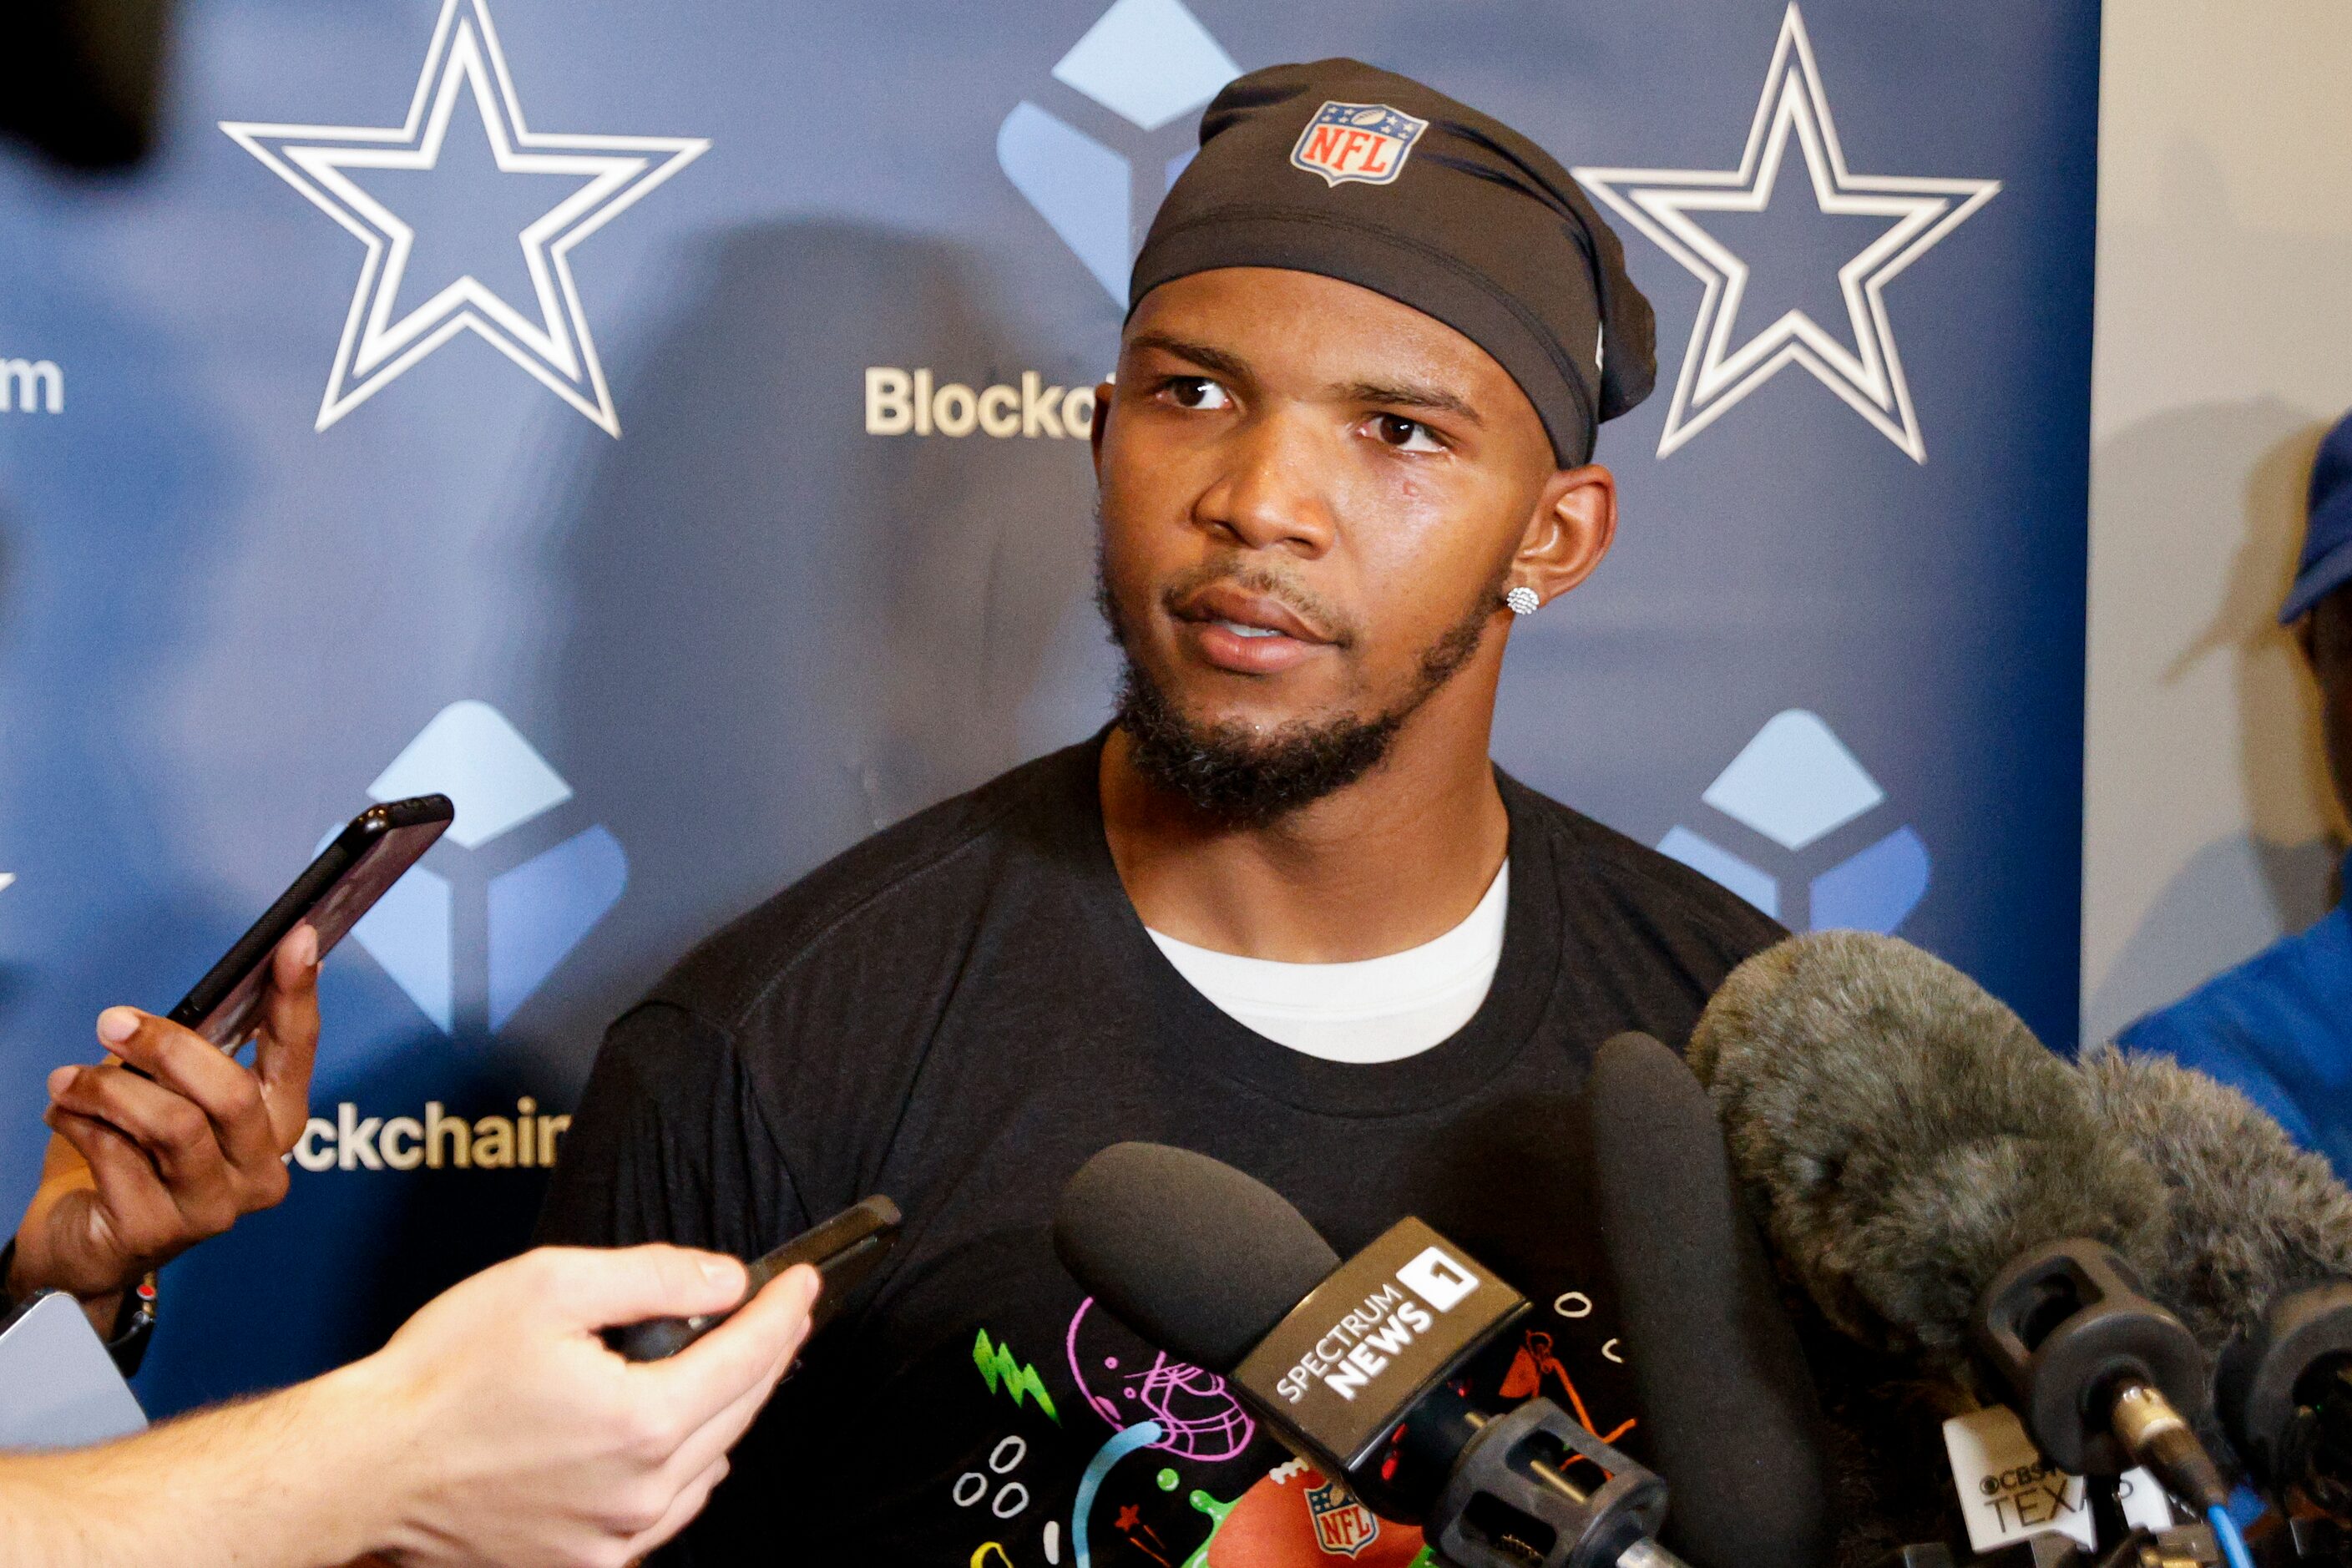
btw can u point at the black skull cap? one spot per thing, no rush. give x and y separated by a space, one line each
1346 170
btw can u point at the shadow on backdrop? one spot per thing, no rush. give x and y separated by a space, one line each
783 632
2247 465
780 634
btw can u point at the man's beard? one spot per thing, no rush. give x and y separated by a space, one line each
1250 778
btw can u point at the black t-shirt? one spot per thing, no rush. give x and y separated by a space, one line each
960 1010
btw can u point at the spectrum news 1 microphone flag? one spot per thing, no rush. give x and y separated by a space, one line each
662 428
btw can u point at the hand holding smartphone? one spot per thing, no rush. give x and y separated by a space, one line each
132 1180
361 863
845 1250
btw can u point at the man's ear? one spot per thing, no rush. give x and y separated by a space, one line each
1100 420
1574 522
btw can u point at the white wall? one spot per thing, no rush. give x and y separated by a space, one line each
2223 349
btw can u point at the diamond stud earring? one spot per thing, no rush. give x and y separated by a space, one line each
1523 601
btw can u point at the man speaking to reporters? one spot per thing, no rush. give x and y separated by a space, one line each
1284 910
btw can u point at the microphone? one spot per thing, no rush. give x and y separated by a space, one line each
1351 1362
1906 1136
2260 1244
1916 1152
2104 1372
1726 1401
2284 1394
2249 1216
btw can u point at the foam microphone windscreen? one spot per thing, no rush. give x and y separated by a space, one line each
1200 1259
2249 1216
1725 1399
1907 1136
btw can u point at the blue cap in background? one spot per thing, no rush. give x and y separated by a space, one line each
2327 563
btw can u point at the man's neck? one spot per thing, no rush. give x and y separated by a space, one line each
1395 860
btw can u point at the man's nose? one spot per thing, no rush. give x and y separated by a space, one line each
1270 494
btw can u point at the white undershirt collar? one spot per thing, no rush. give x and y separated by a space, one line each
1370 1010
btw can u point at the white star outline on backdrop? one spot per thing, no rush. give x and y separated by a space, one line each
557 349
1659 202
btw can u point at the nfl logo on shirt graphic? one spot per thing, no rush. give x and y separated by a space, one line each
1796 800
477 927
1343 1527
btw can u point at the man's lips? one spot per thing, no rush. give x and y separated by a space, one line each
1248 612
1247 633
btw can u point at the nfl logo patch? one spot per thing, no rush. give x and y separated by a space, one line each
1343 1527
1365 141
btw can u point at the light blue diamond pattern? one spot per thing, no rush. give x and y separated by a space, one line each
1077 185
1794 781
408 933
539 912
1876 888
543 909
1148 61
470 753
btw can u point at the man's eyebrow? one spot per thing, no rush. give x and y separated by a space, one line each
1203 354
1407 394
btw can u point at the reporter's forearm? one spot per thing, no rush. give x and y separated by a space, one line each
293 1479
494 1427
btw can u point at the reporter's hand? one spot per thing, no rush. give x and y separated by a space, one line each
141 1169
517 1438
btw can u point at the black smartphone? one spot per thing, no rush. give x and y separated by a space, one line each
342 884
845 1250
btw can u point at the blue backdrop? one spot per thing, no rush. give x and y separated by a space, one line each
654 424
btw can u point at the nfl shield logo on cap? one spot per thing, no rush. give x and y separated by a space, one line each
1364 141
